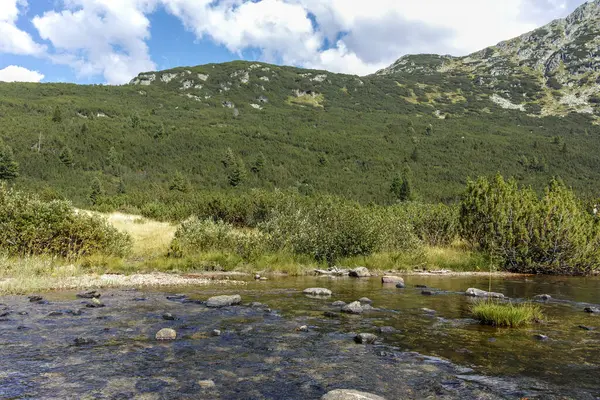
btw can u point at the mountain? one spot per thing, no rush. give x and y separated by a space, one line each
175 134
553 70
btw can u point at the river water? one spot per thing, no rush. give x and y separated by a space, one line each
261 355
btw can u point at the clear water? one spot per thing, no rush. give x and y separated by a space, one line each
260 355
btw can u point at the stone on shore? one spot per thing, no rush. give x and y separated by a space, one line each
347 394
360 272
317 291
224 301
166 334
482 293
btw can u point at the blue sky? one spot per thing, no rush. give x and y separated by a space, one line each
111 41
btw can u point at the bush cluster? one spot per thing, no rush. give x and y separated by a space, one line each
30 226
551 234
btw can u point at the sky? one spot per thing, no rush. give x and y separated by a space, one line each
111 41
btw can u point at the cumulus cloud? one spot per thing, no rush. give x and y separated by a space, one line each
100 37
14 73
12 39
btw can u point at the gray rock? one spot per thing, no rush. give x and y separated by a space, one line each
83 341
256 304
35 299
365 338
176 297
317 291
544 297
95 303
427 292
592 310
257 276
224 301
302 328
428 310
353 308
387 329
55 314
365 300
168 317
400 285
215 332
360 272
206 384
338 303
482 293
166 334
347 394
88 295
391 279
541 337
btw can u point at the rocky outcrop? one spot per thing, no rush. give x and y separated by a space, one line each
347 394
224 301
482 293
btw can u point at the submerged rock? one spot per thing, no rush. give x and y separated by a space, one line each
330 314
392 279
317 291
544 297
176 297
592 310
166 334
224 301
80 341
360 272
302 328
428 310
482 293
387 329
35 299
365 338
55 314
421 286
400 285
353 308
427 292
541 337
168 317
347 394
95 303
88 295
338 303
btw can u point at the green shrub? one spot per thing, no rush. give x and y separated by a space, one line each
434 224
29 226
506 314
552 235
195 236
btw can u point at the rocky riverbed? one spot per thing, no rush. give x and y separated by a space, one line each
275 342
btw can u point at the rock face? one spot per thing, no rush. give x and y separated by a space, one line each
224 301
392 279
360 272
347 394
482 293
365 338
317 291
353 308
166 334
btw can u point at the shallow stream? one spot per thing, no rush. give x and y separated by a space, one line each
261 355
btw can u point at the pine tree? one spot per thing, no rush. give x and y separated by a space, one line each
97 190
396 187
57 115
429 130
179 183
9 168
135 121
229 159
259 163
66 156
237 173
121 188
415 155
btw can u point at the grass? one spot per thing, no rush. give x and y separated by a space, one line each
506 314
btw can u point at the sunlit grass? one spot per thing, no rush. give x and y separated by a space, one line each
506 314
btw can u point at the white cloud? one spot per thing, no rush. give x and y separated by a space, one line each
100 37
14 73
12 39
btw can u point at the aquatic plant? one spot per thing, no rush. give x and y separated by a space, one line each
495 313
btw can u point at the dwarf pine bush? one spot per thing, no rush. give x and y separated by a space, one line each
553 234
29 226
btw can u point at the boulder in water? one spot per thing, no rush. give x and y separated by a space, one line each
482 293
317 291
338 303
347 394
365 300
353 308
387 329
392 279
88 295
80 341
592 310
168 317
365 338
544 297
166 334
224 301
